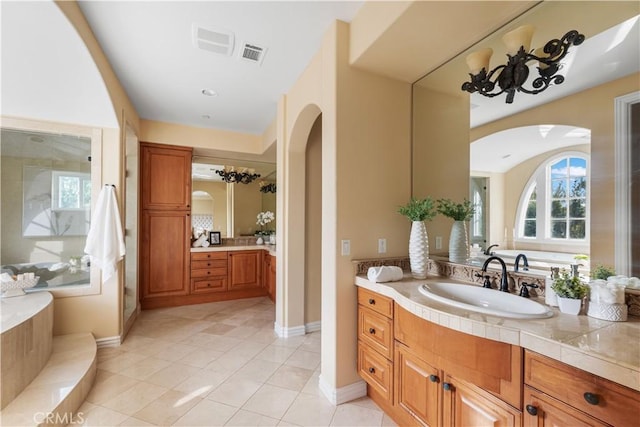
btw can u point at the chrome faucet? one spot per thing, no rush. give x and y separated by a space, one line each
488 250
525 263
504 281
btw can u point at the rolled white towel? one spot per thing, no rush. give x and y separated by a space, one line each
385 273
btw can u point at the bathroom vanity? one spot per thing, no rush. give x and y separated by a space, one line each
427 363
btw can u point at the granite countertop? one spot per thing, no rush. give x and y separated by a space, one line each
608 349
269 248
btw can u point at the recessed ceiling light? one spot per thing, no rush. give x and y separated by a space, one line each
209 92
206 116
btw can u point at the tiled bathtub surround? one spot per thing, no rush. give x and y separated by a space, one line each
216 364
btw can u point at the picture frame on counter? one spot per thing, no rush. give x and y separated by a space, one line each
214 238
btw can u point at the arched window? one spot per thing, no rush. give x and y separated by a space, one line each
554 208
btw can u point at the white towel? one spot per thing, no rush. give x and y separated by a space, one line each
386 273
105 242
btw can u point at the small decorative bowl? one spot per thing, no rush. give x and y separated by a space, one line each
16 288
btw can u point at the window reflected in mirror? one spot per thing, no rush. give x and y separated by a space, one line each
46 206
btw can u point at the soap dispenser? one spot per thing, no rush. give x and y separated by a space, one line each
550 297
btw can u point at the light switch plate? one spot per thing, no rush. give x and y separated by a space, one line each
382 246
438 242
346 247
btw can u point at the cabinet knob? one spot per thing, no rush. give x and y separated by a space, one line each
372 301
447 386
592 398
372 371
433 378
532 410
372 331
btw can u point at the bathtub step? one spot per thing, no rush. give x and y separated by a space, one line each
61 386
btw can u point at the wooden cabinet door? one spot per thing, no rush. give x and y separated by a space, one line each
245 270
166 177
467 405
417 387
272 279
165 254
542 410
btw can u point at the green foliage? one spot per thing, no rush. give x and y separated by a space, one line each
602 272
567 286
418 210
457 211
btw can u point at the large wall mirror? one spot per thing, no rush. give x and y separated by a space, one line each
541 170
50 174
231 209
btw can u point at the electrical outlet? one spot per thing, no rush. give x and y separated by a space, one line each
438 242
382 246
346 247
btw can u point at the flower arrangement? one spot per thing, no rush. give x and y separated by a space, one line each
418 210
264 218
566 286
457 211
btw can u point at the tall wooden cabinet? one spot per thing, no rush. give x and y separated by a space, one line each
165 222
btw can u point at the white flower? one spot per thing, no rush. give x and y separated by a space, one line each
265 218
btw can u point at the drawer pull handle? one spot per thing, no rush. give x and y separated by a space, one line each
591 398
372 371
372 301
447 386
433 378
372 331
532 410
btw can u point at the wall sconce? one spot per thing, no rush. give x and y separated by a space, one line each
511 77
267 188
241 176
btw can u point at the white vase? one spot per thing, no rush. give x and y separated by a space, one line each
569 305
458 243
272 239
418 250
260 241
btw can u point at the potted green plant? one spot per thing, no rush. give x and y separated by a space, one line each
602 272
458 240
570 291
418 211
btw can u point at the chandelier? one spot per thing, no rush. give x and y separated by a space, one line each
240 176
511 76
267 188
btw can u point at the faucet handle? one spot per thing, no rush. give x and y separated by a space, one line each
487 282
524 291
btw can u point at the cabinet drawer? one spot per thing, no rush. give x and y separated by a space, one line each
214 284
375 302
211 263
202 256
610 402
376 370
376 330
211 272
542 410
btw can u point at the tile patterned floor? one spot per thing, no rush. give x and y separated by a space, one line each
216 364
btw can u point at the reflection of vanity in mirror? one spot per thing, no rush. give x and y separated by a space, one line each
230 208
541 169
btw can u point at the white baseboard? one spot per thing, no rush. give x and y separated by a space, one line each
342 394
108 342
312 327
293 331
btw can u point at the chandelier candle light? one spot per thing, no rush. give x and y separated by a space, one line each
267 188
240 176
511 77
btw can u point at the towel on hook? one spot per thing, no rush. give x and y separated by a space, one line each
385 273
105 242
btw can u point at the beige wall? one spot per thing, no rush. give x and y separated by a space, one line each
591 109
440 147
313 225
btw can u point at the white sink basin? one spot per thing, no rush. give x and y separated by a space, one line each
486 301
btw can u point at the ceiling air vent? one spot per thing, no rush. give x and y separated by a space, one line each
252 53
216 41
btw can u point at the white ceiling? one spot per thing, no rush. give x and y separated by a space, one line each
149 45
